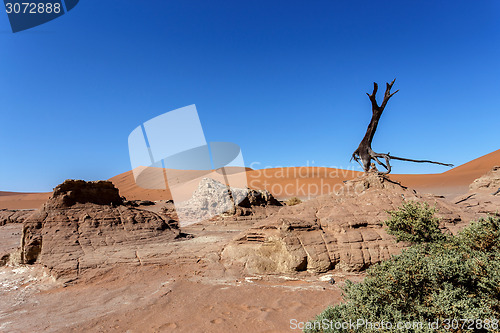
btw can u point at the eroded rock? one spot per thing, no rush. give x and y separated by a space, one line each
213 198
14 215
483 197
84 225
490 182
342 230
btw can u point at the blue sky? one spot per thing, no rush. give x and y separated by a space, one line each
286 80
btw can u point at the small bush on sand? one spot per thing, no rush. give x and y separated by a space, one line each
452 281
293 201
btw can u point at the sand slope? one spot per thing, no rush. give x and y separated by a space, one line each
18 200
308 182
452 182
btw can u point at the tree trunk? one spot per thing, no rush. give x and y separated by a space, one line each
364 154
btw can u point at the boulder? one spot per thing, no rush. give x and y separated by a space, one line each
73 192
212 198
260 198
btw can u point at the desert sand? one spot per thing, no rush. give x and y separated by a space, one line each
18 200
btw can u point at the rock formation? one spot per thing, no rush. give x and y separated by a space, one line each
14 215
490 182
84 225
213 198
342 230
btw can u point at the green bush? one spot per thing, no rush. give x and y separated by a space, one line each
293 201
454 278
414 222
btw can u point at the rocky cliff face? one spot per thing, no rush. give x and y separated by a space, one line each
338 231
84 225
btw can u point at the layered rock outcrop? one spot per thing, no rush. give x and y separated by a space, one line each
84 225
14 215
489 182
343 230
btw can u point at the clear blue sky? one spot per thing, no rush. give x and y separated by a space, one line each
286 80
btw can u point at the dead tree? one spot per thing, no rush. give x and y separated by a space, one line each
365 154
498 191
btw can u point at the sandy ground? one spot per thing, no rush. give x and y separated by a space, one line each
193 293
10 235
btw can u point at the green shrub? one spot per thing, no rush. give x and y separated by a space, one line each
482 235
455 278
414 222
293 201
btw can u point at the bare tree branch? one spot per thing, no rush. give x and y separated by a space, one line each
420 161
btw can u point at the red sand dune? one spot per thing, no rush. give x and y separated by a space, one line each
302 182
452 182
19 200
307 182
